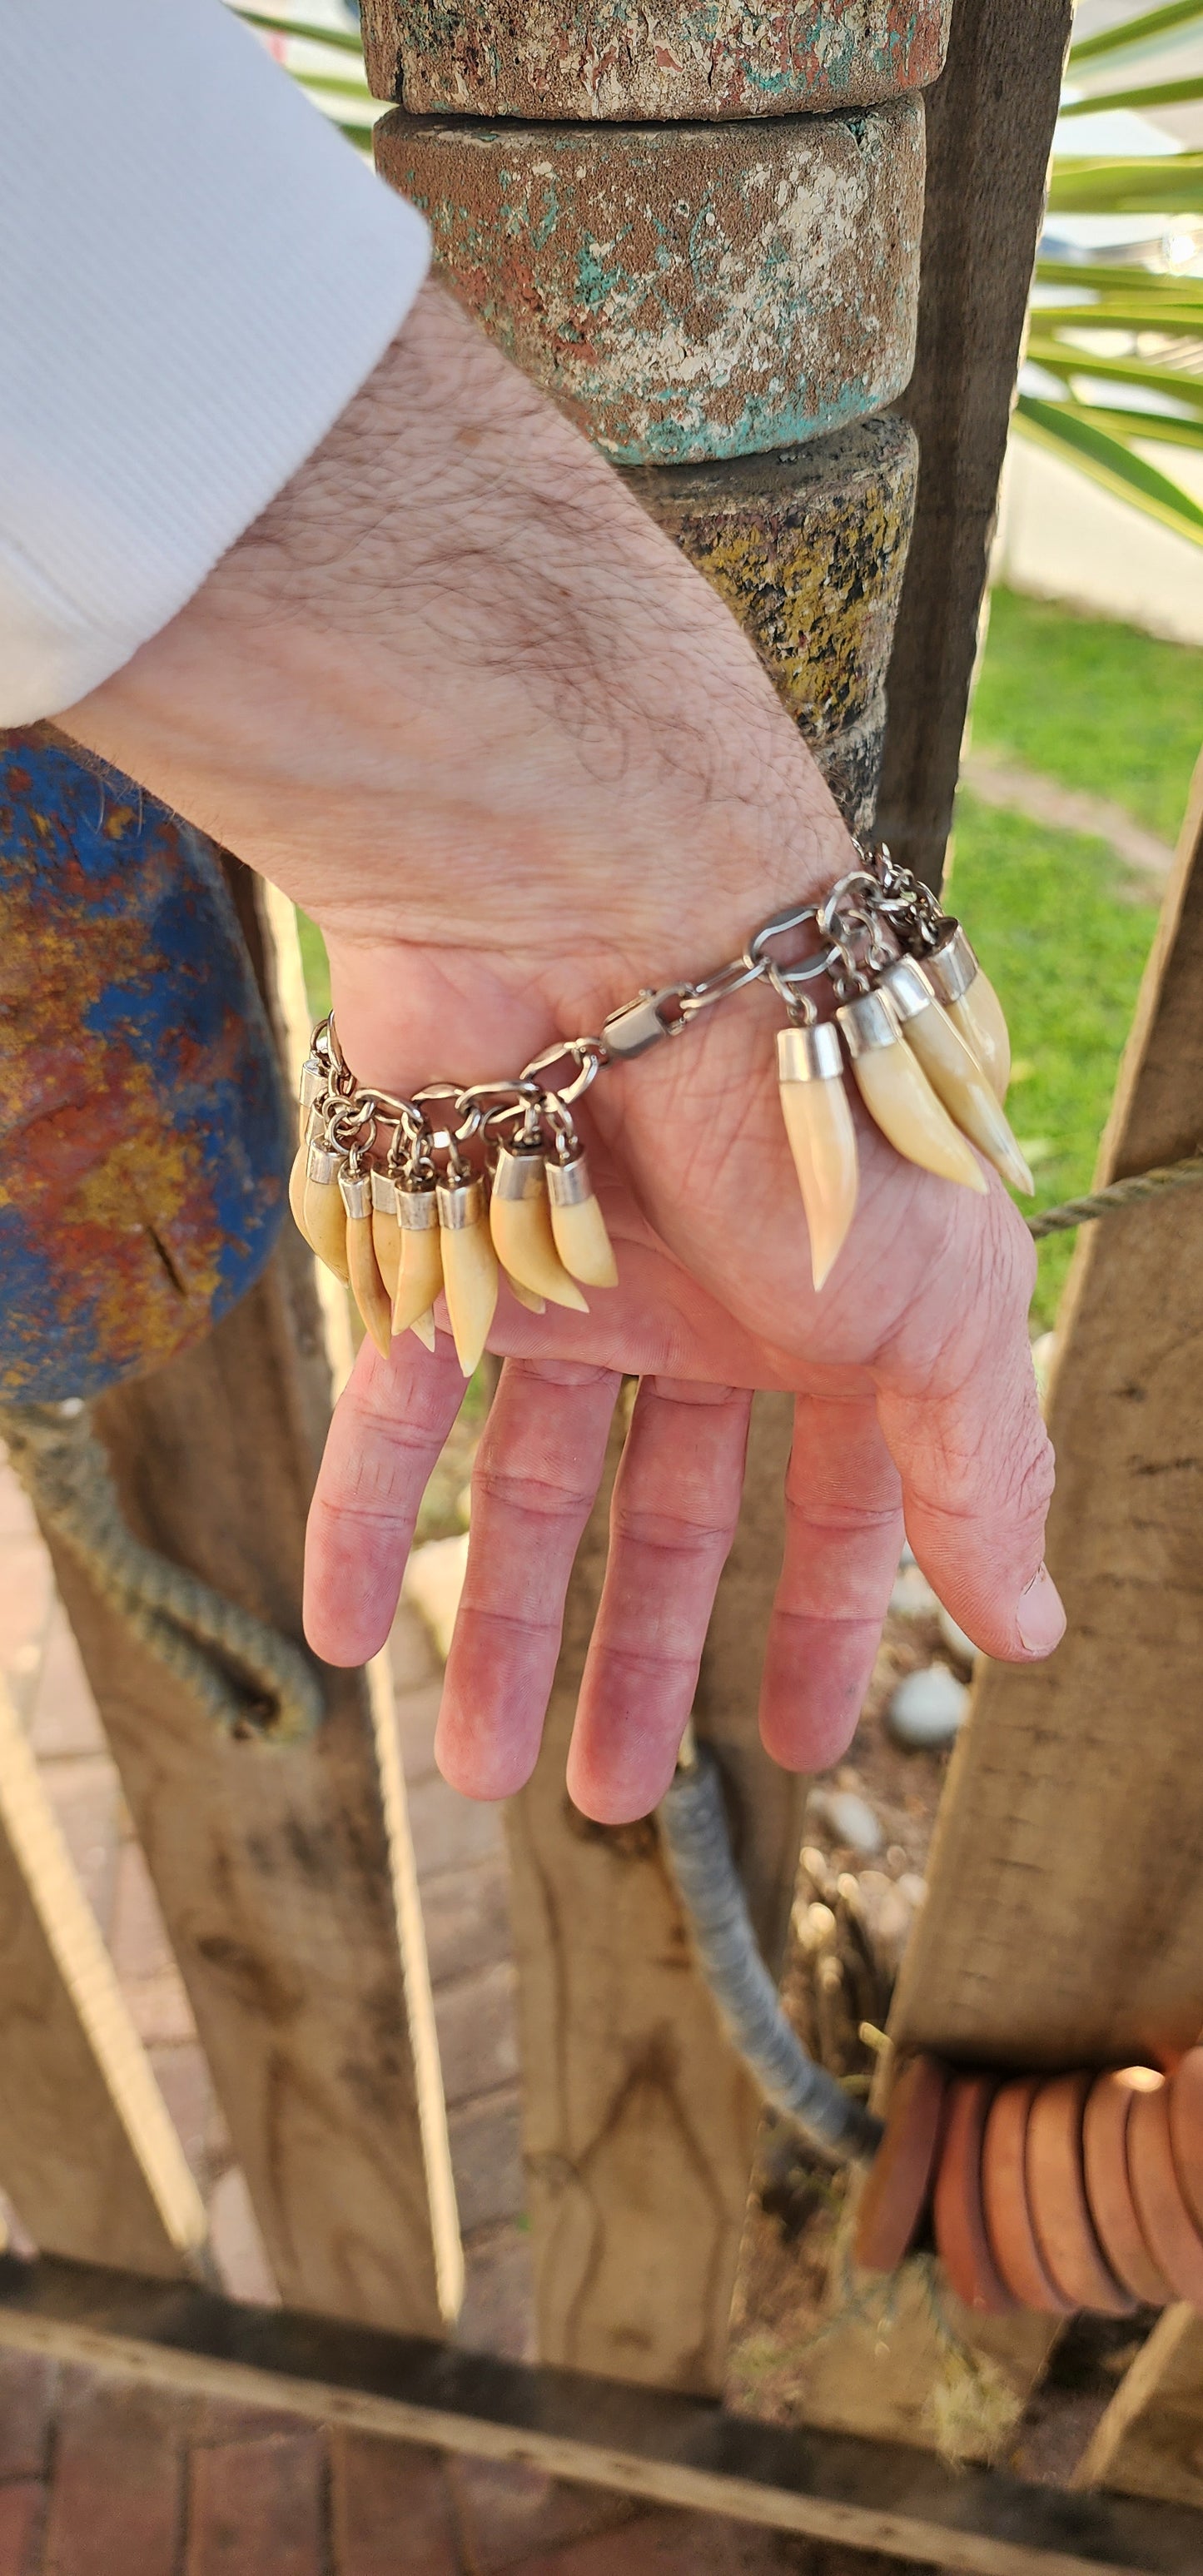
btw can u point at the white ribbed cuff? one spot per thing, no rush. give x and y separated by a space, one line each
196 274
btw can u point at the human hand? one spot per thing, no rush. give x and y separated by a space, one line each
459 697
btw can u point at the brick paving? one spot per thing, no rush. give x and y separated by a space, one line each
99 2477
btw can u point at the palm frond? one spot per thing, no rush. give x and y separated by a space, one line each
1179 93
1172 185
1170 20
340 39
1108 461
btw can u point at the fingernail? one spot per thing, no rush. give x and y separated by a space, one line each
1040 1615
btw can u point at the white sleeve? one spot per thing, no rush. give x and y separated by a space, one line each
196 273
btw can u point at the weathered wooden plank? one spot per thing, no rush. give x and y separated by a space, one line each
990 121
274 1866
1150 2441
639 2119
1064 1920
663 63
664 2449
684 292
88 2154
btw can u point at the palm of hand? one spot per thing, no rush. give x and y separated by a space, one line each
911 1375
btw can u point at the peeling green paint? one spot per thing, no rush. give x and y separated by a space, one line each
684 293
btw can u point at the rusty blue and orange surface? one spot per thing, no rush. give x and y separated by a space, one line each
649 61
686 293
144 1138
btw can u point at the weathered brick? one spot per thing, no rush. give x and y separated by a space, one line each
390 2510
449 1831
258 2504
680 2544
22 2511
669 60
63 1717
808 549
478 2040
486 2159
118 2481
509 2514
466 1913
498 2314
685 293
28 2386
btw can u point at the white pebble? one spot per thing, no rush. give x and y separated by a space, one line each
928 1708
958 1644
849 1820
912 1594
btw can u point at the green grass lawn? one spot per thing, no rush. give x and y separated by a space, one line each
1063 929
1094 705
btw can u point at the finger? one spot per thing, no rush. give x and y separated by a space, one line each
676 1503
843 1536
963 1424
537 1471
388 1429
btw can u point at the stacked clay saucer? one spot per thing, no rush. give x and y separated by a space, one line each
1051 2192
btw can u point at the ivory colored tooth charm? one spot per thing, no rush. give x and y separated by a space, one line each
898 1095
324 1218
520 1224
471 1277
420 1270
578 1226
953 1071
386 1231
972 1005
367 1286
526 1296
296 1189
310 1088
822 1138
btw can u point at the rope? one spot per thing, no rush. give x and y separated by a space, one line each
246 1677
1118 1194
695 1829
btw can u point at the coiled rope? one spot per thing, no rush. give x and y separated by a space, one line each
249 1680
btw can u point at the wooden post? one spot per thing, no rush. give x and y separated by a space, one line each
277 1868
990 120
88 2154
639 2119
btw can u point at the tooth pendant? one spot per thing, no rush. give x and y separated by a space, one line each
972 1005
471 1277
296 1189
386 1231
323 1216
367 1286
898 1095
521 1226
420 1266
577 1224
954 1071
822 1138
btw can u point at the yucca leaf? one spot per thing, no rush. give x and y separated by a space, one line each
332 87
1108 462
1177 93
1176 321
1132 280
1166 21
1172 185
1140 372
1127 425
340 38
